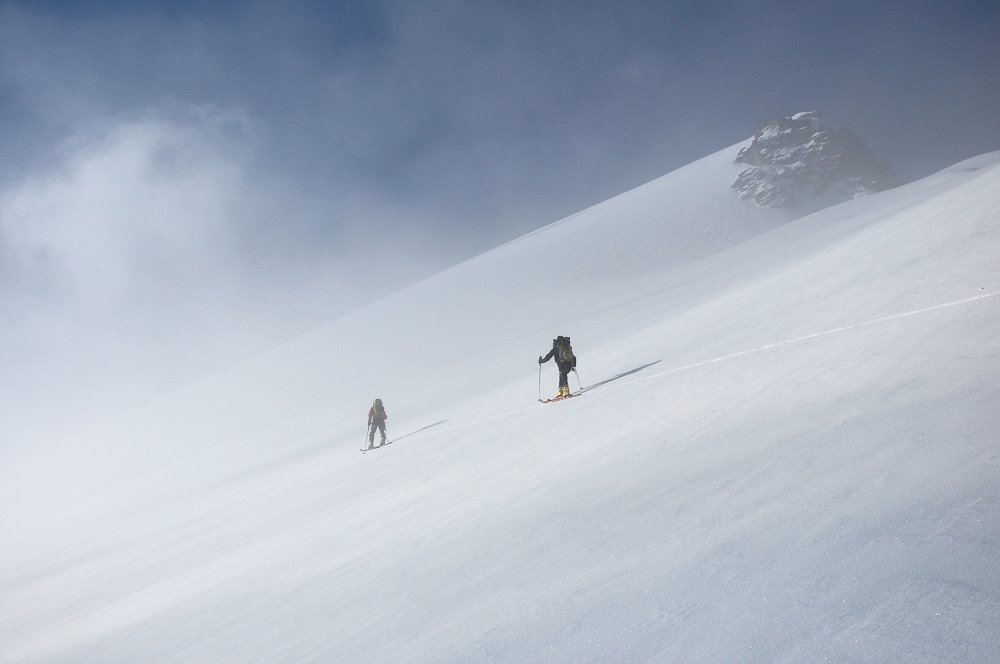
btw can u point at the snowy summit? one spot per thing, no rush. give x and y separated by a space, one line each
800 164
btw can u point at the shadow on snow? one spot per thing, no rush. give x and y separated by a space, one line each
413 433
618 377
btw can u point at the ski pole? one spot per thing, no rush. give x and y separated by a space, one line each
577 379
539 381
368 433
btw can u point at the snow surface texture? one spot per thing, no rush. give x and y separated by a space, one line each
786 450
801 164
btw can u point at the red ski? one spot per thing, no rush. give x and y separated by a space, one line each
557 399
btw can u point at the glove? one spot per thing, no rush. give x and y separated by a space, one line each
540 360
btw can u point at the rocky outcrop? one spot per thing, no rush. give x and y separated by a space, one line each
800 164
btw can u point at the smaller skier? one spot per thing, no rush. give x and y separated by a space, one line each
562 351
376 420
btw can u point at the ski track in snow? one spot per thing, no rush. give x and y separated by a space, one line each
748 351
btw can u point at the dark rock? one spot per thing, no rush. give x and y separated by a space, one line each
798 163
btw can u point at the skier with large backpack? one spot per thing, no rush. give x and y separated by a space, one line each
562 351
376 420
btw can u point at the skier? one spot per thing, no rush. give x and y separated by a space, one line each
376 420
562 351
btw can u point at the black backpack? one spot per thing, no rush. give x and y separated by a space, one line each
564 352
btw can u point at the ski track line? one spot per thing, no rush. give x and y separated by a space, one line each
757 349
814 335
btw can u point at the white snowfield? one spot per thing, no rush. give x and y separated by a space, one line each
787 450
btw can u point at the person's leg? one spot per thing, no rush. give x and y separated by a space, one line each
381 430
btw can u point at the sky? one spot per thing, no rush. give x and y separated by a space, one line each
183 184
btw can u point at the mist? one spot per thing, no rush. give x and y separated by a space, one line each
152 255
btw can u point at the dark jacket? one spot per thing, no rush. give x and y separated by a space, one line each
556 353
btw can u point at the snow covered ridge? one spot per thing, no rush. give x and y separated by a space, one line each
800 164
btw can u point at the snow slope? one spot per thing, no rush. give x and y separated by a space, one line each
786 451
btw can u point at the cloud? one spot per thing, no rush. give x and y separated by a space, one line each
152 252
133 229
145 205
